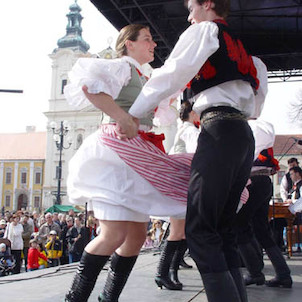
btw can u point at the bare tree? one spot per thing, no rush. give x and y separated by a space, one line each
295 107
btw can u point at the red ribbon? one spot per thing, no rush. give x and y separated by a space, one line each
155 139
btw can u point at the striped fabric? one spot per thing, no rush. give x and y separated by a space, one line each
169 174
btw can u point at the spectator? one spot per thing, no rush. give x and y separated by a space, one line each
47 227
36 221
14 234
92 226
27 231
69 224
148 242
55 218
62 219
34 255
41 221
42 262
30 221
77 241
54 249
71 213
157 232
2 227
5 256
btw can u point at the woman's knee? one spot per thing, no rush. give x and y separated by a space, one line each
177 229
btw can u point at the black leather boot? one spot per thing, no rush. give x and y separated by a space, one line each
85 278
176 260
162 277
182 249
220 287
283 278
119 271
253 262
239 281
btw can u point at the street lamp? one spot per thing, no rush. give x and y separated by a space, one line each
59 134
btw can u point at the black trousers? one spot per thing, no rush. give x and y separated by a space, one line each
219 172
17 256
252 219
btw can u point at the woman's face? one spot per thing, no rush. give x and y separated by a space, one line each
142 50
158 224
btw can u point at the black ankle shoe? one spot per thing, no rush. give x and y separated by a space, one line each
258 280
167 283
278 282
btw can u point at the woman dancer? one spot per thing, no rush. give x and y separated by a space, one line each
120 197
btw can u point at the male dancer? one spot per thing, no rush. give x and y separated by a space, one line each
223 80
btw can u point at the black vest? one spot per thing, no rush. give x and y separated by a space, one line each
297 190
230 62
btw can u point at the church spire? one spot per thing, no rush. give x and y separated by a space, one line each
73 38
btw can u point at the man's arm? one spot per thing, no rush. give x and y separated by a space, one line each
191 51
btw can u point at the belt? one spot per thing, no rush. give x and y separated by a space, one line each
264 172
221 113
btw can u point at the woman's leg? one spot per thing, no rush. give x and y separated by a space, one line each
95 256
123 260
171 246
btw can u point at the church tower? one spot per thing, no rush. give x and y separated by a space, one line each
78 123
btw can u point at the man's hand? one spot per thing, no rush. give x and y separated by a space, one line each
127 127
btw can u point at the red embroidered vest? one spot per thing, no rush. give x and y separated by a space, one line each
230 62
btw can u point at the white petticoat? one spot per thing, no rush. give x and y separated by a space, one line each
112 189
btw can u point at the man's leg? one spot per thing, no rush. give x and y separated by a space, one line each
220 169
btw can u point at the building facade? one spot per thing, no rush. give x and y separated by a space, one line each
22 159
81 121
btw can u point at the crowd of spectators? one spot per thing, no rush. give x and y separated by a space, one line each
31 241
38 241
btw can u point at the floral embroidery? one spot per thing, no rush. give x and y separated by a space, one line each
238 54
207 71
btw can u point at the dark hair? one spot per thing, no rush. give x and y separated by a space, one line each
184 111
129 32
221 8
292 160
296 170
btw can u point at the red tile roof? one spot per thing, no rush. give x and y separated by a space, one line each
24 146
283 145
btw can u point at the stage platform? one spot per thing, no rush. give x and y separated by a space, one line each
50 285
